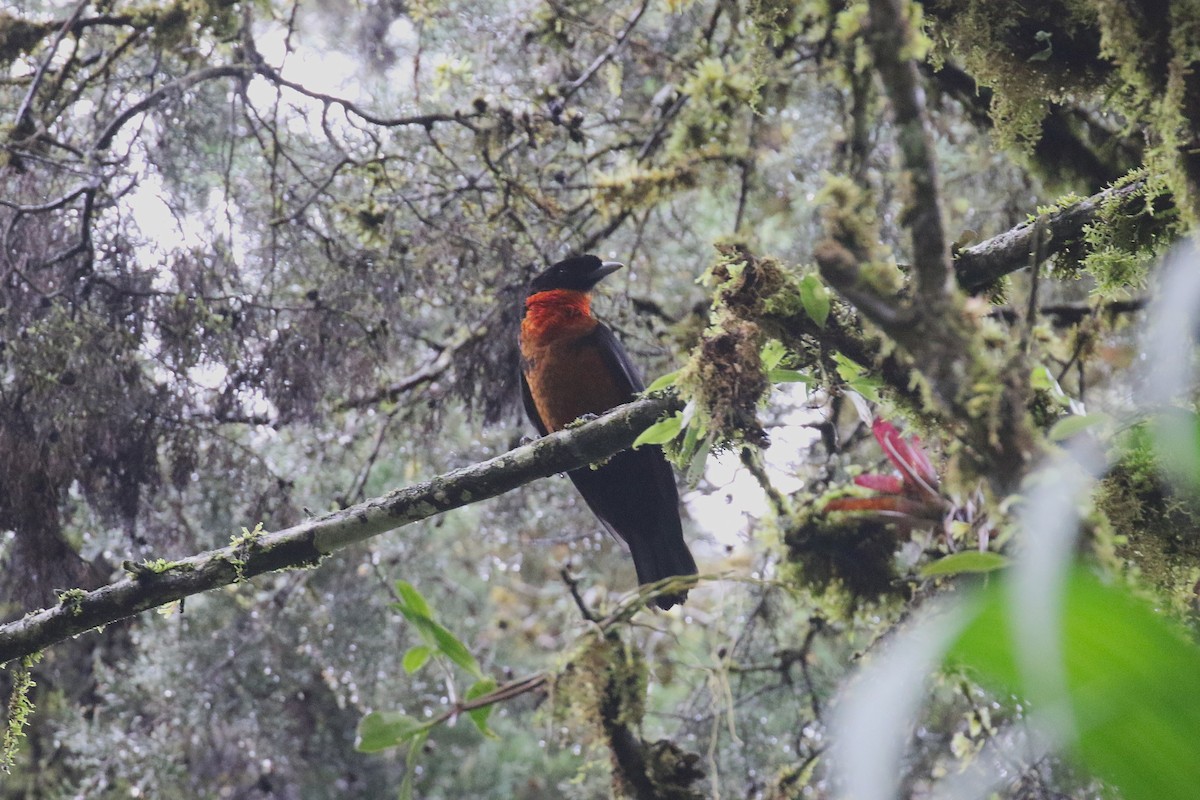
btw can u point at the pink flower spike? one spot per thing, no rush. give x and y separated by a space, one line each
908 456
921 462
888 484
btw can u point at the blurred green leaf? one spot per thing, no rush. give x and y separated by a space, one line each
480 715
967 561
1067 427
857 378
416 657
661 432
410 763
815 298
380 730
1133 681
1176 436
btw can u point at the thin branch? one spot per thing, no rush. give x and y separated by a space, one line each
431 371
1037 255
174 88
19 124
264 69
607 55
500 694
305 544
1067 314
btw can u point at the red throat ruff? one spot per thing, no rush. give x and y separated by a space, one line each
555 313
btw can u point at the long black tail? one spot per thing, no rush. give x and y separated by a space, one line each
634 495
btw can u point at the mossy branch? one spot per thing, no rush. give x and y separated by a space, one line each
305 544
987 396
892 42
977 266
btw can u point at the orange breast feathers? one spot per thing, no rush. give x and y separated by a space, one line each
568 376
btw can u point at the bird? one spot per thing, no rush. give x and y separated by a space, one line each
572 366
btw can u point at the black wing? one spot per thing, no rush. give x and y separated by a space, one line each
634 492
616 359
531 409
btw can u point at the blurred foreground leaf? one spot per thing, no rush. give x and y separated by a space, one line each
1132 678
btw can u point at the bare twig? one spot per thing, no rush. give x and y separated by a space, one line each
1037 254
424 120
172 89
573 585
572 87
21 125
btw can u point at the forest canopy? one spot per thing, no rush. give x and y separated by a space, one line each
911 283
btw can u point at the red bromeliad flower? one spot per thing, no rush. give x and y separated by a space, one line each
913 492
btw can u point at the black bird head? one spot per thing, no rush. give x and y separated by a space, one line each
578 273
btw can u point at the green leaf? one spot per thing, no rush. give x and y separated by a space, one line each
772 353
661 432
815 299
1067 427
857 378
380 730
847 368
455 650
1043 379
480 715
964 562
412 600
691 440
662 382
788 376
414 608
695 470
1132 682
416 657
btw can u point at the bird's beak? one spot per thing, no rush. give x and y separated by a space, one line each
607 268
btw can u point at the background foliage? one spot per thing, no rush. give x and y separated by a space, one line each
261 260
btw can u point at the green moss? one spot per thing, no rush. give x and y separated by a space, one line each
1137 64
1154 528
241 547
602 680
847 556
725 375
718 92
1123 243
20 708
641 187
1029 60
72 599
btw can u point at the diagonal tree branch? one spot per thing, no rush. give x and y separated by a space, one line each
979 265
306 544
